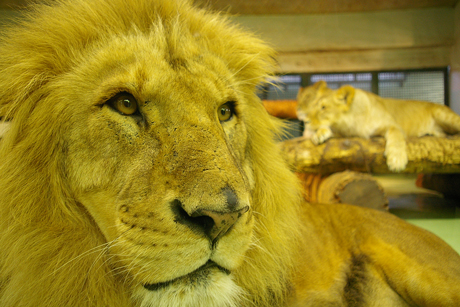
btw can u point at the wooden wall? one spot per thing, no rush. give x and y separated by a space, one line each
366 41
394 39
401 39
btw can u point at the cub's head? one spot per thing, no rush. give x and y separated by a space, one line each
135 134
320 106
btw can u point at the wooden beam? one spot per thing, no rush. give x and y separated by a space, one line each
364 60
321 7
354 31
425 154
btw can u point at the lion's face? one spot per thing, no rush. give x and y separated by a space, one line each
319 106
157 156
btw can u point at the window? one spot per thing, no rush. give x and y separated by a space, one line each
417 85
284 87
334 81
429 85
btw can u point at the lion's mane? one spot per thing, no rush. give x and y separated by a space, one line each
51 251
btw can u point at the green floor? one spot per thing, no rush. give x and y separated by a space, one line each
423 208
447 229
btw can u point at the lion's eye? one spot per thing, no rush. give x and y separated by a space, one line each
226 111
124 103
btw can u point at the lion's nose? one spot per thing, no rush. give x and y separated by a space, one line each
213 223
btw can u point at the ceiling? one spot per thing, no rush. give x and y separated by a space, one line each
259 7
322 6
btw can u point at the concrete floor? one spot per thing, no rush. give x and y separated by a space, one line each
424 208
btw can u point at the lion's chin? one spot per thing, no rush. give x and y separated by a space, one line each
197 277
209 285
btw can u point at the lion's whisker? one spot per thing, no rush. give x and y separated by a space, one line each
98 248
254 56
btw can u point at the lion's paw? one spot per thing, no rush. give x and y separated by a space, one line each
321 136
396 159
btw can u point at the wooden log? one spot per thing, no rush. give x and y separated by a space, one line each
286 109
344 187
310 185
354 188
426 155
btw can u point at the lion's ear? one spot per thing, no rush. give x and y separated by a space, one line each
4 127
346 93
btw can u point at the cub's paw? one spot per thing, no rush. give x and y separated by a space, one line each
396 159
321 135
307 133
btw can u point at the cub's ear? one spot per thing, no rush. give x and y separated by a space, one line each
346 93
316 86
320 84
300 91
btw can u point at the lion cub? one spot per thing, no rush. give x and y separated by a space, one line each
349 112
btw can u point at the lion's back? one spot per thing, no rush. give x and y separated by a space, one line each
418 118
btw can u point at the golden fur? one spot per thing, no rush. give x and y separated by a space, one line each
140 169
349 112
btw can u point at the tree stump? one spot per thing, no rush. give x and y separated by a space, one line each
310 185
344 187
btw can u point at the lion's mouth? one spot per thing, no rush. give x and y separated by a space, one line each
196 276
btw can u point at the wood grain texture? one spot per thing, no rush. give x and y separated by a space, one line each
343 187
354 31
354 188
364 60
426 155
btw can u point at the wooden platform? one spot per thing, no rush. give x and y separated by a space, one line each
426 155
339 170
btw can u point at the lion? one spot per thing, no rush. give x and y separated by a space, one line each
140 169
349 112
